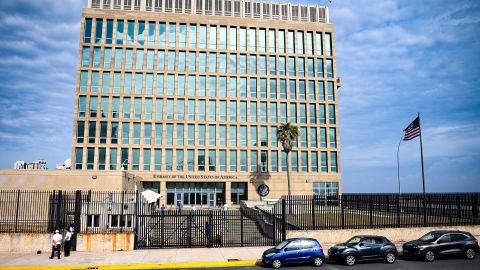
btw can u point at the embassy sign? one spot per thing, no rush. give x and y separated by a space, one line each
189 176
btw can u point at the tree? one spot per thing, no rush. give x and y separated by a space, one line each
287 134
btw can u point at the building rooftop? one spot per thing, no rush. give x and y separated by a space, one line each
234 8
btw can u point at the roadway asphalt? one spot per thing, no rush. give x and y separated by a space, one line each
439 264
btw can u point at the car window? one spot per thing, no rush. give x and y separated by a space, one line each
354 240
368 241
295 245
430 237
306 244
282 245
458 237
445 238
378 241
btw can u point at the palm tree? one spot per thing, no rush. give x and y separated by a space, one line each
287 134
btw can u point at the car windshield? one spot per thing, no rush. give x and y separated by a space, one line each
354 240
282 245
430 237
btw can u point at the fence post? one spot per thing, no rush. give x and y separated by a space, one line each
475 208
342 211
76 218
313 213
424 211
59 209
17 210
89 198
370 212
284 220
121 215
190 230
398 210
210 235
241 228
137 205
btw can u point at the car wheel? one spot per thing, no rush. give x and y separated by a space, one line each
318 261
429 256
470 253
350 259
390 257
276 264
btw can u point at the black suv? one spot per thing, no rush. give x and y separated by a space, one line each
442 243
364 247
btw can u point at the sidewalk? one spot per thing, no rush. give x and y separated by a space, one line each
137 259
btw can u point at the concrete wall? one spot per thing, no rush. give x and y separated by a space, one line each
328 237
67 180
31 242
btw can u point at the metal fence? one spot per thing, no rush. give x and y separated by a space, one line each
359 211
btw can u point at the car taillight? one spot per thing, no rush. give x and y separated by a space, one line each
476 241
320 246
391 243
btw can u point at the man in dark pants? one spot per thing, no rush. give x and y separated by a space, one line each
56 244
68 242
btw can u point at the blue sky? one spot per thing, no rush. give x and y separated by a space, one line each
395 58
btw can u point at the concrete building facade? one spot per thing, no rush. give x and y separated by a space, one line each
188 96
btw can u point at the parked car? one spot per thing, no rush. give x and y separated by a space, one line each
364 247
442 243
293 251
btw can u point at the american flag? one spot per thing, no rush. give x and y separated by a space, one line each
413 130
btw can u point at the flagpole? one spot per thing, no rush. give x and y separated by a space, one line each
421 154
398 172
423 175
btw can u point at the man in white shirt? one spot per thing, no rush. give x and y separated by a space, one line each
56 244
68 243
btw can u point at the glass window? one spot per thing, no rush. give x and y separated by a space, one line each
273 137
300 47
103 132
222 162
233 160
333 162
172 30
321 108
212 139
223 38
161 60
264 161
90 158
223 110
243 39
303 137
96 56
252 39
202 62
212 62
93 106
318 43
314 161
233 87
313 137
171 61
190 160
191 61
253 161
233 136
233 38
212 160
283 112
243 136
331 114
319 67
304 160
301 89
168 159
253 64
201 135
309 43
169 134
170 109
83 81
203 37
137 109
263 88
95 81
212 110
253 111
293 113
311 90
243 87
281 41
82 106
294 161
323 137
201 160
281 65
233 63
180 132
158 159
87 32
263 112
181 61
201 110
192 35
333 138
213 37
263 136
120 30
330 91
253 87
130 32
274 161
158 133
310 68
179 159
191 85
180 109
291 66
98 31
146 159
124 158
141 33
125 133
328 44
80 131
136 133
284 161
313 114
129 58
107 58
159 109
253 136
222 63
182 36
291 42
113 158
191 135
151 34
303 113
222 135
271 40
329 64
138 83
149 84
272 65
243 160
242 64
104 107
262 40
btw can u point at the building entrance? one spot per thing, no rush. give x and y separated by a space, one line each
200 194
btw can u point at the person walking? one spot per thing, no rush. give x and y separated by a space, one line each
68 243
56 244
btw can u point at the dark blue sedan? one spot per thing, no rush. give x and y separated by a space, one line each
294 251
364 247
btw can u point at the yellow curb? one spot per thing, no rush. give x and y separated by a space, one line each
138 266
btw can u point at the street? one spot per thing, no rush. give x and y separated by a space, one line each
447 264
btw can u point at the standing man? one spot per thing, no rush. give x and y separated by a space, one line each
56 244
68 243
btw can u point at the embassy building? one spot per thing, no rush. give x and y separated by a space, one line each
187 95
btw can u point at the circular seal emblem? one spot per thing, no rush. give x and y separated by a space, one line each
263 190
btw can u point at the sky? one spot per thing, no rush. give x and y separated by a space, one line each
394 58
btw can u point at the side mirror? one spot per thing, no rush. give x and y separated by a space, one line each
440 241
287 249
361 245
